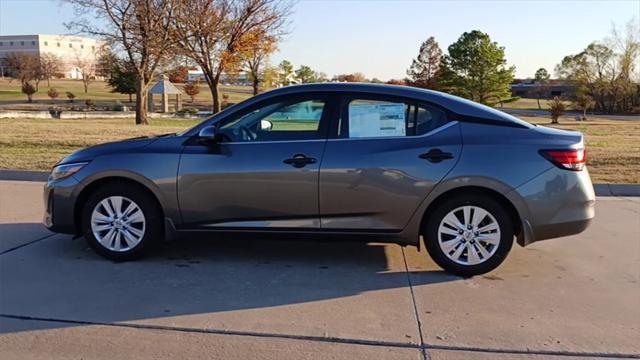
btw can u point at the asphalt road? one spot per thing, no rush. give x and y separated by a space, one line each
576 297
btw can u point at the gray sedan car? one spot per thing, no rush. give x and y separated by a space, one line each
350 161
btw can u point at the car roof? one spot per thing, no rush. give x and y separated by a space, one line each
453 103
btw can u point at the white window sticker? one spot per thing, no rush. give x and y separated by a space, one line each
377 120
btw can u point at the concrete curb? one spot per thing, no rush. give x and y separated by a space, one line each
601 189
23 175
617 189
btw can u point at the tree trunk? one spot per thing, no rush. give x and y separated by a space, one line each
48 82
539 107
216 100
86 86
584 113
256 85
130 98
554 120
141 104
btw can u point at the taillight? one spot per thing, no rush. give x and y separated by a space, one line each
569 159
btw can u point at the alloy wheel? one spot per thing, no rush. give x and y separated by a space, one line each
118 223
469 235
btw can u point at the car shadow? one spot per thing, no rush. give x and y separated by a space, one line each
61 278
15 235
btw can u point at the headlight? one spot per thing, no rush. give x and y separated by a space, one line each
64 170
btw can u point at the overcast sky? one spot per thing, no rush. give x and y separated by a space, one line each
379 38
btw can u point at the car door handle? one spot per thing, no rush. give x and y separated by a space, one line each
299 160
436 155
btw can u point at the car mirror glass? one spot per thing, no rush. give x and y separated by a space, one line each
207 132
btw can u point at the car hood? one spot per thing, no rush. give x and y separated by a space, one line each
89 153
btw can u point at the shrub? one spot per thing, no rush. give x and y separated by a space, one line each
118 106
583 102
192 89
190 111
71 96
53 93
556 109
28 90
89 103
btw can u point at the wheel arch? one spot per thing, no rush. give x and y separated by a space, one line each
97 183
511 209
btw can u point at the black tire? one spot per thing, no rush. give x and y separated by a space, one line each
497 210
153 219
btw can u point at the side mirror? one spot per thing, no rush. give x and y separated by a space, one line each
266 125
208 135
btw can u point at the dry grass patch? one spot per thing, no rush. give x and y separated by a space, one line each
31 144
613 147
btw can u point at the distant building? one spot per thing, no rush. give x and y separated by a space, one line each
529 89
195 75
70 49
241 78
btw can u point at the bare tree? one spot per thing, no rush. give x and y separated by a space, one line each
24 67
541 78
216 34
50 66
87 68
139 28
608 70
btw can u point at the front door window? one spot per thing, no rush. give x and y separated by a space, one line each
276 122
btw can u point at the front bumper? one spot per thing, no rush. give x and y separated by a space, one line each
554 204
59 205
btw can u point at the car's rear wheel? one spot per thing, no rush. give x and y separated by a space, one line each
120 221
469 234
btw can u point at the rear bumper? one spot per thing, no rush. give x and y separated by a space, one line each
59 205
554 204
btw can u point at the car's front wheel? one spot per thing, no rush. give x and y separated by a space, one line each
120 221
469 234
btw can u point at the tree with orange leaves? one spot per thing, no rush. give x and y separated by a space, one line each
218 34
256 56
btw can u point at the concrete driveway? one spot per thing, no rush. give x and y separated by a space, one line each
576 297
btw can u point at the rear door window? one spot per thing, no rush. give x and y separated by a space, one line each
377 118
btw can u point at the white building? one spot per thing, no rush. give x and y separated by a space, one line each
72 50
241 78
